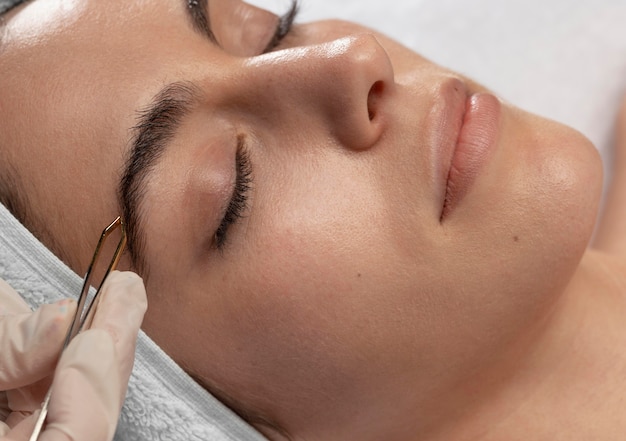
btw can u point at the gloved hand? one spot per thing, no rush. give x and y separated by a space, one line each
90 380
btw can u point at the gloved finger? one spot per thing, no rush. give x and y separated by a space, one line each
22 402
4 429
4 407
92 375
85 396
120 312
21 431
30 343
10 301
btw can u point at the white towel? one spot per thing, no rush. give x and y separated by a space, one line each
163 402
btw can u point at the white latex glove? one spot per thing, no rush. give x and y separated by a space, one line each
91 377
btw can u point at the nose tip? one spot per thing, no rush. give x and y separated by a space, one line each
340 86
363 76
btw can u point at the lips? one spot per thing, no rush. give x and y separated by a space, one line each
476 139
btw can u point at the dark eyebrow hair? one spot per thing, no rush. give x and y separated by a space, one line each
198 11
157 125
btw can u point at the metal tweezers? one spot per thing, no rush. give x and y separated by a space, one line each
84 309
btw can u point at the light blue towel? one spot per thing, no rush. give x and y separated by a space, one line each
163 402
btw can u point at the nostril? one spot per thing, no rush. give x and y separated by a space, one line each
373 97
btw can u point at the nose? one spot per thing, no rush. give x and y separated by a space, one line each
341 85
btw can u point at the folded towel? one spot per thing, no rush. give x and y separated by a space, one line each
163 402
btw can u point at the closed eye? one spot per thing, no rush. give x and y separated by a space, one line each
238 203
283 27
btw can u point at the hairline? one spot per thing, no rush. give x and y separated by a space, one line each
18 203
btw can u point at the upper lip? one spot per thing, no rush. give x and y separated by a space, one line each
449 112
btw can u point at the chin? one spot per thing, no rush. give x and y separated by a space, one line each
538 203
565 176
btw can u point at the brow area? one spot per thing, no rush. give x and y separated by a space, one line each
156 126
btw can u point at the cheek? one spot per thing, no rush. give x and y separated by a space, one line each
555 178
531 216
318 263
312 276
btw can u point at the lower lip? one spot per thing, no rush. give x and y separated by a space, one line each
477 139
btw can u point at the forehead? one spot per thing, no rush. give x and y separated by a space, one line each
73 74
69 54
74 77
114 42
39 21
59 58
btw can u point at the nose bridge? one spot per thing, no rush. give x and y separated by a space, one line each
342 83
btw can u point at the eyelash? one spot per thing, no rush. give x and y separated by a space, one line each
239 200
284 26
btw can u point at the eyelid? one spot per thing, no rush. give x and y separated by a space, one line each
241 29
198 10
284 26
238 202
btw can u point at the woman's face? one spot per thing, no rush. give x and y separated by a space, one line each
337 218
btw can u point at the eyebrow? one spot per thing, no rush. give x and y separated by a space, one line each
157 125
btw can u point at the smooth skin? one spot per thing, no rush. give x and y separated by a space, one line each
341 306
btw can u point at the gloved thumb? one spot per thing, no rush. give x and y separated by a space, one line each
92 375
30 343
85 396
